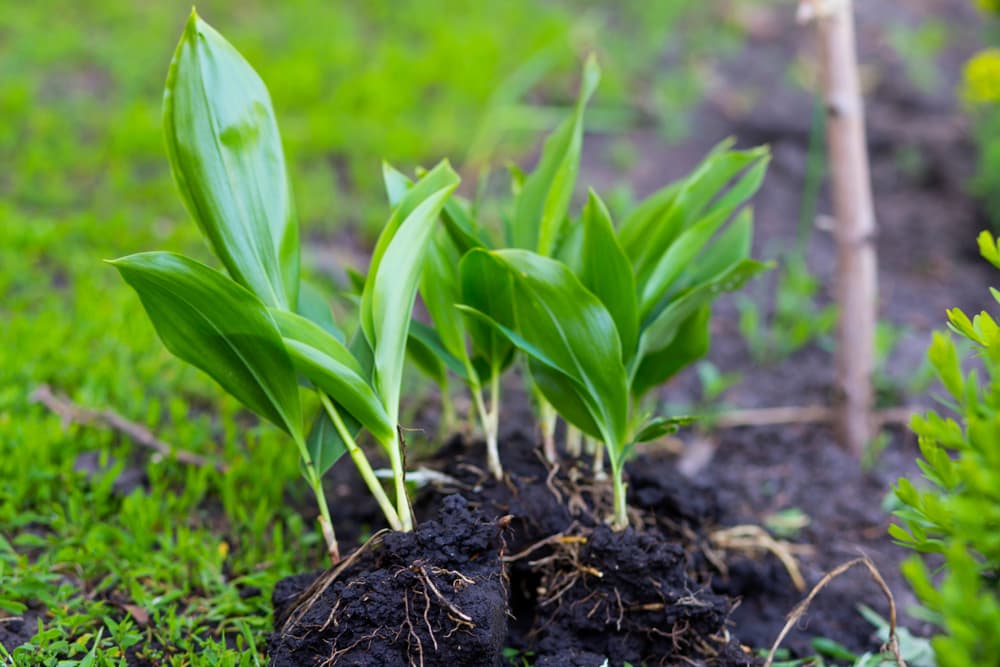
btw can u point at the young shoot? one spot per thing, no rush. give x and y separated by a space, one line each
628 314
259 331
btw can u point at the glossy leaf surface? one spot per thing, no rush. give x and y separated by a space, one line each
607 273
226 157
394 274
561 325
209 321
328 364
544 197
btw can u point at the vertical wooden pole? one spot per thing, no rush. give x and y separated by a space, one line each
856 287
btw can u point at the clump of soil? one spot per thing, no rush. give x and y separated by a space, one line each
434 596
581 593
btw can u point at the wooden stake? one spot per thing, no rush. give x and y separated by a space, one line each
856 282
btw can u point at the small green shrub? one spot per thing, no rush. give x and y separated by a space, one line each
958 515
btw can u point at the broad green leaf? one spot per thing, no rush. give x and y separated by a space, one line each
565 394
565 327
727 250
424 341
679 255
314 307
391 287
544 198
328 364
489 291
440 290
659 330
324 442
460 226
226 157
213 323
689 344
607 273
441 177
640 223
702 194
396 184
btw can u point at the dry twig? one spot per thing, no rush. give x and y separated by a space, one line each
801 608
751 537
71 413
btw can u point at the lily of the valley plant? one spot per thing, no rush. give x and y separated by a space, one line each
257 329
616 312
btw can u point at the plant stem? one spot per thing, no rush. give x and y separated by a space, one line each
574 441
316 484
620 519
547 414
493 428
448 418
399 478
361 462
487 419
599 473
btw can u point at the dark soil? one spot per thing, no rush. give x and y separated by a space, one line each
581 593
436 596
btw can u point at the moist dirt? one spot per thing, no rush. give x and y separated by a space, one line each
435 597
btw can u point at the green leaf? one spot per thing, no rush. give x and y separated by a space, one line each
440 290
638 225
647 239
657 427
559 323
324 442
988 248
606 271
226 157
213 323
659 331
657 272
428 339
314 307
393 277
329 365
727 250
544 198
690 343
489 291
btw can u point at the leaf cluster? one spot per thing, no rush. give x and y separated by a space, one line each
958 513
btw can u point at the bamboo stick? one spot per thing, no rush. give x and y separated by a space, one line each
856 282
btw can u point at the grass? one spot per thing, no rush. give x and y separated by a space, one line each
172 569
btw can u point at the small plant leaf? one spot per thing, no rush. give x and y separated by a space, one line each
393 277
657 427
607 273
656 273
324 442
489 291
544 198
226 157
328 364
690 343
661 328
211 322
314 307
560 324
